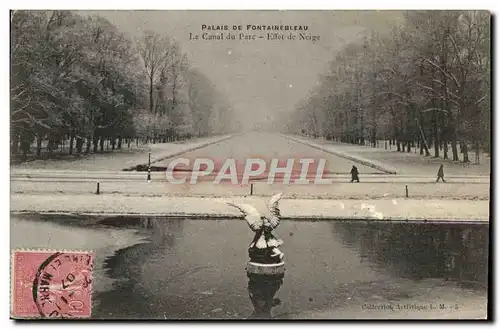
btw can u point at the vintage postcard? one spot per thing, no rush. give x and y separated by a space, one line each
273 164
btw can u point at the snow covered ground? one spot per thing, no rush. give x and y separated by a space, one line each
422 188
121 159
383 209
69 186
404 162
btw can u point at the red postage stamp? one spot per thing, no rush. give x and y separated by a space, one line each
51 284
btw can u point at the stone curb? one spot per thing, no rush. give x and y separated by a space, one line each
208 216
366 162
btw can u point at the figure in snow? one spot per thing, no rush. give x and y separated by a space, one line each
354 174
441 173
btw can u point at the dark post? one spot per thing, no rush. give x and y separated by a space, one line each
406 187
97 191
251 189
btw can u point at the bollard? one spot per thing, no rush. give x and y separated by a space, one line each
251 188
149 167
97 191
406 187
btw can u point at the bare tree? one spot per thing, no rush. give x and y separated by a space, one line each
426 82
156 52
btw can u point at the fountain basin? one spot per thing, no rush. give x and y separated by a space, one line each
265 269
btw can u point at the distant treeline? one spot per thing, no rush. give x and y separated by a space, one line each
426 83
79 79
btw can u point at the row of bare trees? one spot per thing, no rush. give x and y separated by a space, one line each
424 84
78 79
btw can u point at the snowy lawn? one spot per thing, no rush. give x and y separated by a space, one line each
407 163
120 159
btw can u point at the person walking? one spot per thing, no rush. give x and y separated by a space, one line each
354 174
441 173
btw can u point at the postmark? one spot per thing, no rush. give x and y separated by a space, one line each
51 284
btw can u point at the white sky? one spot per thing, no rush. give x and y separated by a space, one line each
258 77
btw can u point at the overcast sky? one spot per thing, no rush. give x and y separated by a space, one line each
259 77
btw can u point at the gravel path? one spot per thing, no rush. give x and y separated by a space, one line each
268 146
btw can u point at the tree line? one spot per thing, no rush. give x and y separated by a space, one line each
77 79
424 84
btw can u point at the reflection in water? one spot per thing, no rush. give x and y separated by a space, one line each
419 251
193 269
262 289
127 296
163 237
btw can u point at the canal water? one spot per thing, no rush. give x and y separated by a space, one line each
195 269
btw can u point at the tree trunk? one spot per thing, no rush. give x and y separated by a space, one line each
465 151
50 145
38 145
151 93
422 136
113 144
71 141
129 142
101 144
454 149
96 140
15 143
25 148
79 145
452 135
444 103
435 134
89 142
478 152
25 145
119 142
